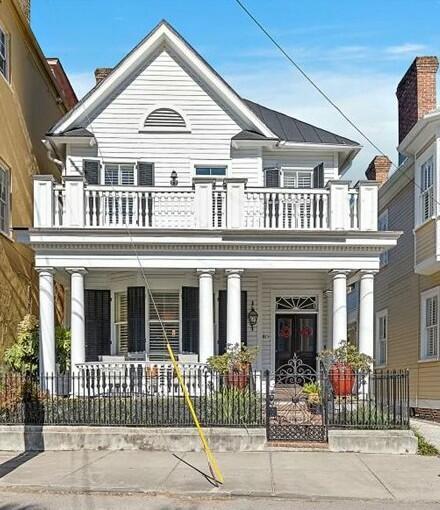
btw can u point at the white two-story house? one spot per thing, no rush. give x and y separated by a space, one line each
177 192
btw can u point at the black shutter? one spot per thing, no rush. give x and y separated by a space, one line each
222 319
91 169
190 319
244 317
272 178
318 176
97 327
136 319
145 174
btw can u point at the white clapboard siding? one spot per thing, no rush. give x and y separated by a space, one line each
247 163
164 81
303 160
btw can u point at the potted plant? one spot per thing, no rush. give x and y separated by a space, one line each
234 364
346 360
312 390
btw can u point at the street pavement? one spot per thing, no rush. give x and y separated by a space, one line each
96 478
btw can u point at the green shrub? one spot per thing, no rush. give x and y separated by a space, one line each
424 447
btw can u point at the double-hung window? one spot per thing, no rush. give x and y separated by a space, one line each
119 174
4 200
430 324
427 189
381 337
164 314
4 54
297 178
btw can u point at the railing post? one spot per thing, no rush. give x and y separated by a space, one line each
75 203
235 201
339 207
203 187
43 200
368 204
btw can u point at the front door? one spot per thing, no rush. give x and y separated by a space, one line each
295 334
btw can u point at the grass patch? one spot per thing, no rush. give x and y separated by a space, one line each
424 446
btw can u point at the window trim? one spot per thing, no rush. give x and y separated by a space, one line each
384 257
424 296
4 168
380 314
169 129
7 75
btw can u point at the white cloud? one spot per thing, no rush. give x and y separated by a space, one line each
82 82
405 49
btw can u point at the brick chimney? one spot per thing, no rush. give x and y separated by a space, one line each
101 73
378 169
416 93
26 8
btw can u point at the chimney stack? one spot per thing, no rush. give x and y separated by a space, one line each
26 8
101 73
416 93
378 169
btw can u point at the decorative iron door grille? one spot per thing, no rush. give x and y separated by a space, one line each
294 404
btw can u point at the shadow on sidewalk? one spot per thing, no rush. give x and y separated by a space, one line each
13 506
209 478
33 419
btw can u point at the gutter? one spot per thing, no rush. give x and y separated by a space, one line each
51 153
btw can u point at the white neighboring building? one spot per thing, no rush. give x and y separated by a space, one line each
223 204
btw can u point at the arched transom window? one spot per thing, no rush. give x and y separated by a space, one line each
165 119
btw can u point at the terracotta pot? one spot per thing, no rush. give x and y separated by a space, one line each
238 378
342 379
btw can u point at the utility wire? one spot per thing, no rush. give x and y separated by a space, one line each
311 81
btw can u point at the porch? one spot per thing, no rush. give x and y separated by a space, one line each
118 322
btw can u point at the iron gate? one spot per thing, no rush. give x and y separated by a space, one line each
294 411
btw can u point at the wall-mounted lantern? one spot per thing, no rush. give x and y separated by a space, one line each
252 316
173 178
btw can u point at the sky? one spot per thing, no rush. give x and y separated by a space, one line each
356 51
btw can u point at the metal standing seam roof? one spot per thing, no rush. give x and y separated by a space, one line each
294 130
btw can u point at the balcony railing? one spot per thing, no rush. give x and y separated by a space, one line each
205 206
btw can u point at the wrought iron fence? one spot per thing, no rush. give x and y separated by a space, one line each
365 399
133 399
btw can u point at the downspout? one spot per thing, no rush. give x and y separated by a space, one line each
51 154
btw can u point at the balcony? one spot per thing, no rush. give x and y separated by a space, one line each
205 205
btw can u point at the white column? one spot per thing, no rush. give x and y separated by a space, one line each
47 322
206 315
339 307
366 313
328 343
233 310
77 317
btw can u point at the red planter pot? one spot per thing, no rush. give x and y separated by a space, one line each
342 379
237 379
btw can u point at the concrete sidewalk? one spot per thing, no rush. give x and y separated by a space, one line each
271 473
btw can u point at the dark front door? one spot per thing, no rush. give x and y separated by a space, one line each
295 334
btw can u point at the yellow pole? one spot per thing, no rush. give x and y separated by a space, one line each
210 456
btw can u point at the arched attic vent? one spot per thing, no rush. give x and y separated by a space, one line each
164 118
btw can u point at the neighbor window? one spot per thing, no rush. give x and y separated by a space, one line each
4 57
427 190
430 324
211 171
383 225
4 200
381 337
297 178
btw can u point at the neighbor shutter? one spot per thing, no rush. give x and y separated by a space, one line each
318 176
136 319
91 169
145 174
190 319
222 319
97 327
272 177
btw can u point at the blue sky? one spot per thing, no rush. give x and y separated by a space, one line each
355 50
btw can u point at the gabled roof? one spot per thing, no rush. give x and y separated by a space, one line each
162 33
294 130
